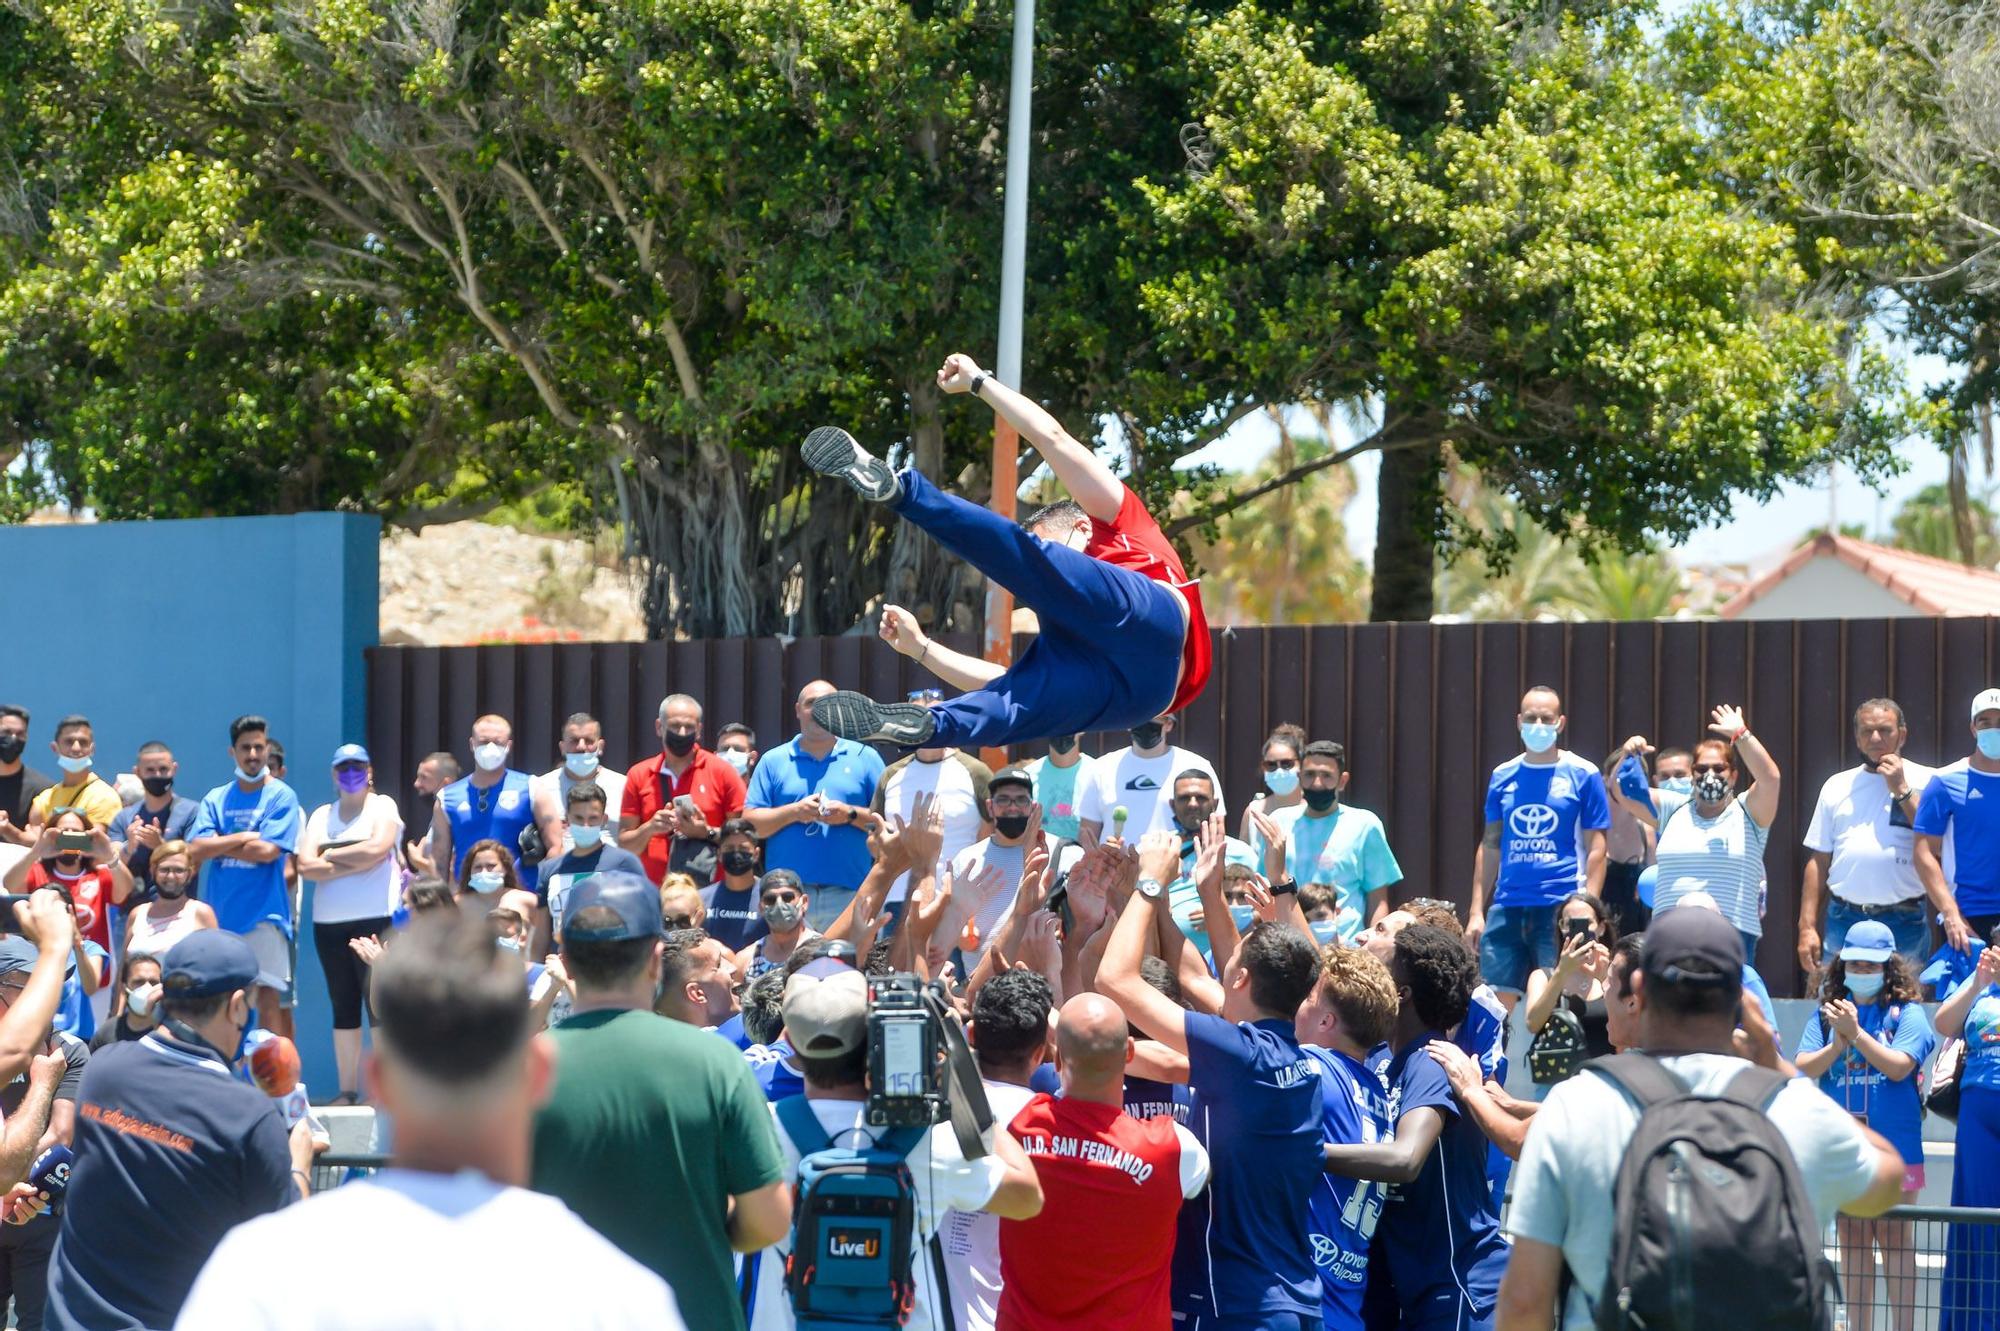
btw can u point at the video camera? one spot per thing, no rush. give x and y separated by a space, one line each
920 1067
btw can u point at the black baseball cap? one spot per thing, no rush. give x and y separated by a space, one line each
1011 776
1695 946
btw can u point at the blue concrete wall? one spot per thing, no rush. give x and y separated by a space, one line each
168 630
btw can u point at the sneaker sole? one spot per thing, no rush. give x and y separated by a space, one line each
831 451
856 716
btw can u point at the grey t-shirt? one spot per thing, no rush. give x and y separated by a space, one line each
1569 1167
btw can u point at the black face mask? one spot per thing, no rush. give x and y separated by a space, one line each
739 861
1147 734
678 745
157 786
1060 744
11 747
1319 801
1011 825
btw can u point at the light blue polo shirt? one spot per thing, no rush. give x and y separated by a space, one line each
821 854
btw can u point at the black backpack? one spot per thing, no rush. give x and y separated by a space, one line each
1713 1228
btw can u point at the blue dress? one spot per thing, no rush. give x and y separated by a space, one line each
1970 1297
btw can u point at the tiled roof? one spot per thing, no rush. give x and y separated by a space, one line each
1934 586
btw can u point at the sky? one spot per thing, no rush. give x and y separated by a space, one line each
1756 534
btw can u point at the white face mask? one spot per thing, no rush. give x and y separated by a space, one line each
738 759
490 757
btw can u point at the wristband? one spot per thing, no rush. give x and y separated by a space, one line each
978 382
1737 738
1287 888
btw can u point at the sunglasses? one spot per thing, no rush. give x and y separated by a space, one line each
780 898
1716 769
1281 764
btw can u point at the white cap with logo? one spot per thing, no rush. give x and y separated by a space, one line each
1986 700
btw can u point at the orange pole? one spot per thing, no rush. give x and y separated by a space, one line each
999 601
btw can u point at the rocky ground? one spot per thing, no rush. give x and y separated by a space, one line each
470 582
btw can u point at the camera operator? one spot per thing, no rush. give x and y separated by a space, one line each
171 1150
826 1022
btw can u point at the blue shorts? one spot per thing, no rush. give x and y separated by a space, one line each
1518 939
1909 922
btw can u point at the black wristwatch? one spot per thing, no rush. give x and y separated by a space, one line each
1289 887
978 382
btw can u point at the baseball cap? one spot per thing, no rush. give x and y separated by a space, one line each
206 963
1986 700
1687 945
1869 940
1011 776
17 954
631 898
350 753
826 1009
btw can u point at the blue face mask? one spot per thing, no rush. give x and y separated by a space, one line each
1539 736
1988 742
243 1040
581 765
73 765
1244 916
1282 781
586 838
1324 931
1679 785
1865 988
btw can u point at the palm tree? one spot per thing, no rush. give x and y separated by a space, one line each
1617 586
1928 524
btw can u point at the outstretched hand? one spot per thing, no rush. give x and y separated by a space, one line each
958 373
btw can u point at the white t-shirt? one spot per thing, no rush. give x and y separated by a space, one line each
1569 1166
365 894
551 788
945 1181
406 1251
1870 839
954 798
1145 786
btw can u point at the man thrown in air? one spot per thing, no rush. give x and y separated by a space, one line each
1123 638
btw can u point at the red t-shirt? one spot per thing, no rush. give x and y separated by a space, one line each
92 893
1133 540
712 783
1101 1252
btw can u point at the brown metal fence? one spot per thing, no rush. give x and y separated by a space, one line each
1425 710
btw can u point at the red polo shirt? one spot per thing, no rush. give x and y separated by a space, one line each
712 783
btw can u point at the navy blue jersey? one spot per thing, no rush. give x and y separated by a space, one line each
171 1153
1345 1211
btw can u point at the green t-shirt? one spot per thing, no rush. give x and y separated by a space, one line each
653 1126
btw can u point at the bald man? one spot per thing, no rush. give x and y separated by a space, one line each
1101 1251
493 802
808 801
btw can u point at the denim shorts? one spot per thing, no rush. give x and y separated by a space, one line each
1518 939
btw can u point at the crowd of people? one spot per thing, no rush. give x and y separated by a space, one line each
1238 1080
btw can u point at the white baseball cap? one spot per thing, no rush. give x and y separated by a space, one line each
1986 700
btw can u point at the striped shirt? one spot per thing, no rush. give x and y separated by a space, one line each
1722 856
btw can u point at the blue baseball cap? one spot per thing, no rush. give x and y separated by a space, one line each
206 963
350 753
635 901
18 954
1869 940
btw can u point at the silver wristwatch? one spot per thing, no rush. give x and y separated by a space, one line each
1151 888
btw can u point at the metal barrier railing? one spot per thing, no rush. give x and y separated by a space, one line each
1920 1268
331 1170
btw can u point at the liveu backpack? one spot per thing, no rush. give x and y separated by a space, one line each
854 1222
1713 1228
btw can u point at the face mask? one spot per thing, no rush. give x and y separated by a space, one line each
1060 744
490 757
1011 825
1319 801
1324 931
739 862
11 747
484 881
248 778
782 915
243 1040
157 786
1711 787
1989 743
678 745
1243 915
1283 781
1538 736
73 765
513 945
739 759
583 838
581 765
1679 785
139 1002
352 780
1864 987
1147 734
